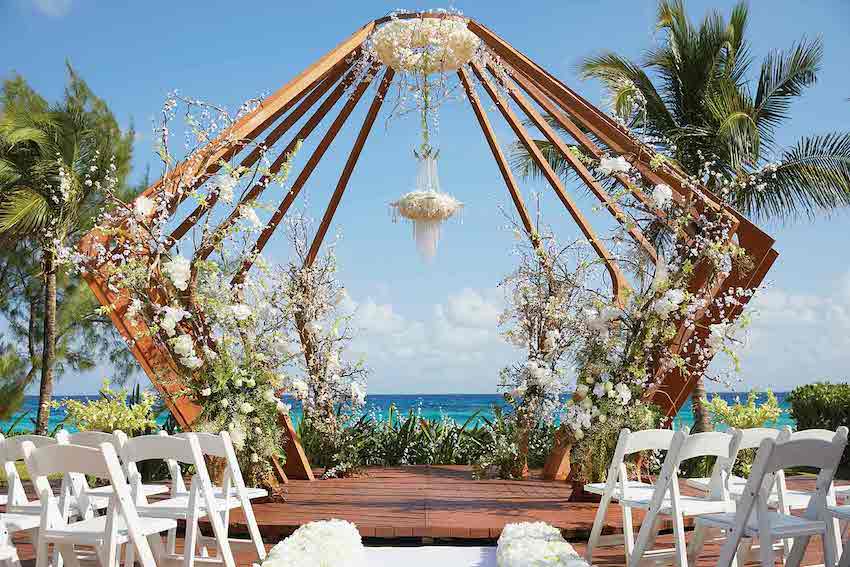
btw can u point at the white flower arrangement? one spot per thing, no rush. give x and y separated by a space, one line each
612 165
177 270
427 206
535 544
328 543
426 45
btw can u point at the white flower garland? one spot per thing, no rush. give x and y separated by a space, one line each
427 44
329 543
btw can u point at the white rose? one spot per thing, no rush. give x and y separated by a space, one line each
177 269
609 166
183 345
206 392
581 390
245 407
225 402
143 207
169 317
662 195
240 311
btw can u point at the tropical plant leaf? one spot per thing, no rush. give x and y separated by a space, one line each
23 211
812 177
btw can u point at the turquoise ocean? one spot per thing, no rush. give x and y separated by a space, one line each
458 407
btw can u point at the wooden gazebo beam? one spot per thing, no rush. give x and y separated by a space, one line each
269 141
350 163
618 280
498 155
309 167
549 133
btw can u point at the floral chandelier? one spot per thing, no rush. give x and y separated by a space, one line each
421 47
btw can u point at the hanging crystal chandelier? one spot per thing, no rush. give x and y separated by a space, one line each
427 208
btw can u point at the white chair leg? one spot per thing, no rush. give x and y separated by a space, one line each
766 557
596 531
190 541
42 558
697 541
795 558
628 531
679 541
69 555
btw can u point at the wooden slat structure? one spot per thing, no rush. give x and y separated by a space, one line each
537 94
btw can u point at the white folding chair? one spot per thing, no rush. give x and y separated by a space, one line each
100 495
192 505
753 517
618 486
233 490
11 451
106 534
667 501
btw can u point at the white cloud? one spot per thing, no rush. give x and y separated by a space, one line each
457 350
799 337
53 8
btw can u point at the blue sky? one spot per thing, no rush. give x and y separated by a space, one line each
432 328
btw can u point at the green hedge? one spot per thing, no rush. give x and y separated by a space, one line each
822 406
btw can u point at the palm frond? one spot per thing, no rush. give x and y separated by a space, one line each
812 177
783 77
23 211
9 173
621 77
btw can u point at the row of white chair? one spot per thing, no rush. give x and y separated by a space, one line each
120 513
727 498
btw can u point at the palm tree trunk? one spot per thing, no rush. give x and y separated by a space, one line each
701 421
48 351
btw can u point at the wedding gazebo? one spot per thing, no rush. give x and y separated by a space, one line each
524 94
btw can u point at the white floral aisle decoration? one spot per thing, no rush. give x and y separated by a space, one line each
427 208
535 544
327 543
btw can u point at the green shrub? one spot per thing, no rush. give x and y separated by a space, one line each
822 406
744 416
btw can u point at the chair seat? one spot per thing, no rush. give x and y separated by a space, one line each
599 488
736 484
250 492
147 489
90 532
20 522
794 499
178 507
840 512
641 498
781 525
100 495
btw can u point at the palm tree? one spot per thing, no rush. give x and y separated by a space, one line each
53 160
695 93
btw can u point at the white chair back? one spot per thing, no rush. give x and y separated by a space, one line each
11 451
92 439
101 463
